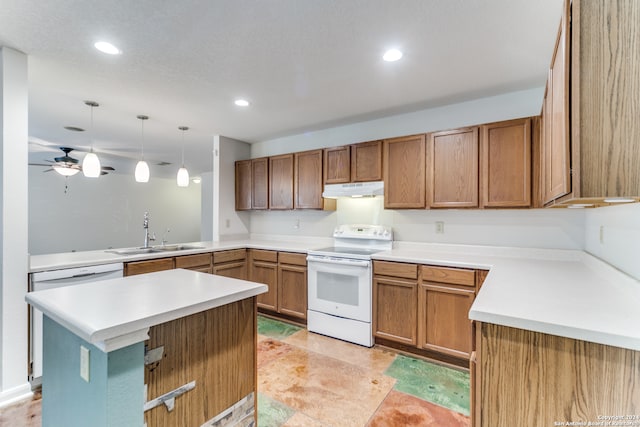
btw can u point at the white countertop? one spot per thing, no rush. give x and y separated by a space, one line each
104 312
560 292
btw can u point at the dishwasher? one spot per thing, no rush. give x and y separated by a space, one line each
56 279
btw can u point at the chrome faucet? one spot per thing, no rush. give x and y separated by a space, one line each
145 225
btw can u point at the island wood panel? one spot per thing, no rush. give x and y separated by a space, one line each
506 163
243 185
217 349
281 182
337 161
452 169
292 290
395 303
535 379
366 161
308 180
605 80
260 183
141 267
404 172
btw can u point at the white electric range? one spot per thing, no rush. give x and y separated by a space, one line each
340 282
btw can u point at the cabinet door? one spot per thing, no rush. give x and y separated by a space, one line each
267 273
281 182
260 183
308 179
235 270
337 161
506 164
292 290
404 172
452 171
243 185
556 166
395 309
141 267
366 161
444 324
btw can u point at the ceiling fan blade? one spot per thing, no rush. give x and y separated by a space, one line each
107 168
39 164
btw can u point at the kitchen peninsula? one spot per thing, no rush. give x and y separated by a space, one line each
174 347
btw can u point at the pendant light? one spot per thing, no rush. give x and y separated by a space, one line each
183 173
142 169
91 163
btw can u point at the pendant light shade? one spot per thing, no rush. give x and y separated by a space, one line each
142 168
183 174
91 163
65 171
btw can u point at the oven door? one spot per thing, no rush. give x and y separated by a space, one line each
340 287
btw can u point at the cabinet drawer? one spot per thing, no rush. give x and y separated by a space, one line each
232 255
455 276
395 269
292 258
262 255
141 267
190 261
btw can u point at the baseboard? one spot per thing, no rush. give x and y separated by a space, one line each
16 394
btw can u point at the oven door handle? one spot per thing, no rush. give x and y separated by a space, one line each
341 261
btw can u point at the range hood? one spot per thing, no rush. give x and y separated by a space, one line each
354 189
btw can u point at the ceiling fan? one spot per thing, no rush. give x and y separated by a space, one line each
67 165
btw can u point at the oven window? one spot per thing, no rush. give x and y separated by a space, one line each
338 288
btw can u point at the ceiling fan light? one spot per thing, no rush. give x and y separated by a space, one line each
91 165
142 171
183 177
65 171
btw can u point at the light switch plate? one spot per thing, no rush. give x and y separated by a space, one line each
84 363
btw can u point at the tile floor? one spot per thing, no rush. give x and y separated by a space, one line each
309 380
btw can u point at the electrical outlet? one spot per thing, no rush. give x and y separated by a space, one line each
84 363
602 234
439 227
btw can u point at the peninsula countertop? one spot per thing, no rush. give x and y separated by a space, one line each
117 312
569 293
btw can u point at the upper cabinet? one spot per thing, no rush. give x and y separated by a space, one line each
281 182
506 164
260 183
337 161
308 179
404 172
243 185
366 161
452 169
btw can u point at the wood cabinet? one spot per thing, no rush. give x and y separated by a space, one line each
292 284
366 161
260 183
149 266
445 298
231 263
285 274
395 301
404 172
281 182
337 165
452 169
198 262
506 163
264 269
308 180
243 185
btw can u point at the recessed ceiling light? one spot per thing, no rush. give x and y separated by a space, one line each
241 102
392 55
108 48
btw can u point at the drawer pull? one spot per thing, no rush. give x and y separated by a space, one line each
169 399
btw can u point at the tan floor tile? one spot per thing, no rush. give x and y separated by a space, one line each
23 414
374 359
301 420
270 350
324 388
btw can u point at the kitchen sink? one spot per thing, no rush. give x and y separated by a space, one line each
153 249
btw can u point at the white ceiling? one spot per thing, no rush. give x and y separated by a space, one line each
303 65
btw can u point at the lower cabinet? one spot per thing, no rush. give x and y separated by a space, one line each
198 262
425 307
141 267
285 273
231 263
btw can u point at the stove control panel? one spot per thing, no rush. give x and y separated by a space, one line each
363 231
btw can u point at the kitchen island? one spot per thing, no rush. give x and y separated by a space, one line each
174 347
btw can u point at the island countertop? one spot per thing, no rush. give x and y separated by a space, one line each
117 312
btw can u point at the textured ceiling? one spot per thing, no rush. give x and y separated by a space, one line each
303 65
